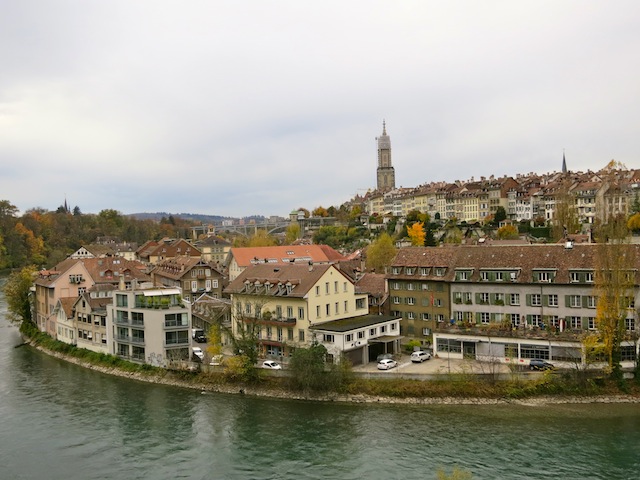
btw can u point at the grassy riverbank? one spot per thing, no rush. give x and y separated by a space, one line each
549 387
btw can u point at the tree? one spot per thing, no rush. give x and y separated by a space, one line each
416 233
429 237
320 212
633 223
614 283
307 368
508 232
500 216
17 291
380 253
292 233
565 216
262 239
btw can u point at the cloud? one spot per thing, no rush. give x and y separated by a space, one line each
251 107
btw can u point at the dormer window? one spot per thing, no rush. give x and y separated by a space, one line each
440 271
484 276
396 270
409 270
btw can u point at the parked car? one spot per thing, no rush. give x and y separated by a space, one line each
197 351
383 356
421 356
386 364
538 364
273 365
200 338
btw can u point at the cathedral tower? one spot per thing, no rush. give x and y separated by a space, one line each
386 174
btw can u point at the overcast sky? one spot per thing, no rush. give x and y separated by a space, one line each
241 107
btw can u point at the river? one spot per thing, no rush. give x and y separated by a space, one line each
60 421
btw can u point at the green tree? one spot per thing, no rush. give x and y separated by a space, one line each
307 367
429 237
500 215
261 239
565 216
380 253
17 290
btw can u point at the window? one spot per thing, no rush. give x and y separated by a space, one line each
247 308
335 287
396 270
290 334
411 315
176 320
410 286
485 317
588 277
424 271
346 306
591 322
484 297
409 270
269 332
360 334
318 311
499 277
544 277
575 277
394 326
630 324
137 318
349 337
536 320
575 322
395 285
327 309
554 320
457 297
575 301
180 336
499 299
395 300
121 300
326 288
344 286
372 331
484 276
440 272
194 285
289 312
536 300
553 300
317 290
426 316
301 313
301 335
360 303
467 298
514 299
383 329
592 301
463 275
411 301
336 309
328 338
515 319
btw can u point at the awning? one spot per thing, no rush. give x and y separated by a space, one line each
158 293
385 338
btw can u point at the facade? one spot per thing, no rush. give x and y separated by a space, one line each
149 324
90 318
537 295
192 274
386 175
290 304
214 249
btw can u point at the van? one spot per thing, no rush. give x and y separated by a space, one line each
419 357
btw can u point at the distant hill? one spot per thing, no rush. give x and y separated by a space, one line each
196 217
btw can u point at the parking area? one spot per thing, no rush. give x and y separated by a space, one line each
437 365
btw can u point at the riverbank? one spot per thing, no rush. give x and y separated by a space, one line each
214 384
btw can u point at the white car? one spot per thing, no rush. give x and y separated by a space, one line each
419 357
271 365
197 351
386 364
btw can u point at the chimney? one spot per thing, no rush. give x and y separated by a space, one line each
121 285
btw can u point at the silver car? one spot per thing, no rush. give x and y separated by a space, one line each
386 364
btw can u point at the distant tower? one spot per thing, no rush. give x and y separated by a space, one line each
564 163
386 173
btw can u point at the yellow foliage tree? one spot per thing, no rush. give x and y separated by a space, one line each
633 223
508 232
416 234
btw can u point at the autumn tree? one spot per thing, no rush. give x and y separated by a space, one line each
292 233
319 212
416 234
565 216
614 284
633 223
380 253
261 239
17 290
508 232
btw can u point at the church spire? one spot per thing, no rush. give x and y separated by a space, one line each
564 163
386 174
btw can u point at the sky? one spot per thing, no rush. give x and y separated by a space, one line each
241 107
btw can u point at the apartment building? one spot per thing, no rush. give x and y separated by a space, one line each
149 324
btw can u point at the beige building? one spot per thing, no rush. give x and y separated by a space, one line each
294 304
